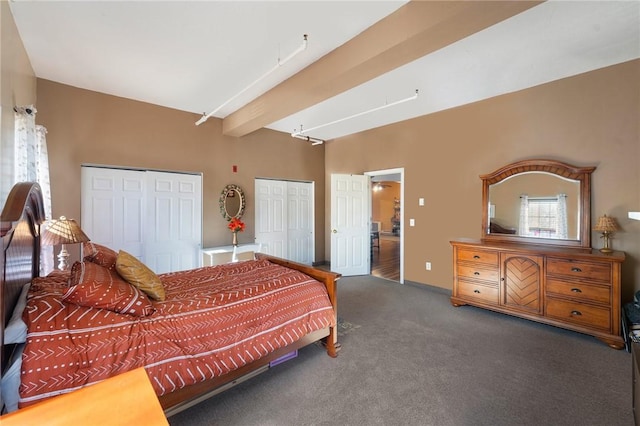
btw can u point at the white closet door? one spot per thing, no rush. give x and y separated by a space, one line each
285 219
271 216
174 221
155 216
300 232
112 208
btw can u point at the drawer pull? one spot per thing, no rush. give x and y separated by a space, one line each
475 256
576 290
476 273
574 269
476 291
576 313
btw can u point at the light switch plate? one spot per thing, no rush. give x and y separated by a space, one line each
412 222
421 201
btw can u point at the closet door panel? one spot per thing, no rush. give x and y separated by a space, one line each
271 217
112 208
174 221
300 223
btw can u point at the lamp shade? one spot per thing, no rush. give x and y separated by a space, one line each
606 224
63 231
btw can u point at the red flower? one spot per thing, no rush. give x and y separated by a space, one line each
236 225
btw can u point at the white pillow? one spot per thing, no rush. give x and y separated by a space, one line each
16 330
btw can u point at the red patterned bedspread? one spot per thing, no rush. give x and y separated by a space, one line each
214 320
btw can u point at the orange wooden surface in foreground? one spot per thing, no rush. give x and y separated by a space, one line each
126 399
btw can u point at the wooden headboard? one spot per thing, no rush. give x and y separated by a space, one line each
20 221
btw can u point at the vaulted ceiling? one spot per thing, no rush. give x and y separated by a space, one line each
360 60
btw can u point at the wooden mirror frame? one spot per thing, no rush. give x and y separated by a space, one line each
231 188
581 174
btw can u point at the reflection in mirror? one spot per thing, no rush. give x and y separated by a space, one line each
232 202
535 204
538 201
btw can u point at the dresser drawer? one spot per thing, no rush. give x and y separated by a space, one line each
584 292
491 275
478 256
595 271
480 292
578 313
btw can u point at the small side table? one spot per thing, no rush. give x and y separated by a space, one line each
227 254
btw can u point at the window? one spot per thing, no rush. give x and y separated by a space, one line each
543 217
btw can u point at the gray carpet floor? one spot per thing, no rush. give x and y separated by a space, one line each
410 358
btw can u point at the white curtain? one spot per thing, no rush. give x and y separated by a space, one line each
561 222
523 225
32 164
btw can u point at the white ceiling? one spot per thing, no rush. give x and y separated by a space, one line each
196 55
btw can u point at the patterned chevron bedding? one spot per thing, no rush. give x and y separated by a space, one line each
213 320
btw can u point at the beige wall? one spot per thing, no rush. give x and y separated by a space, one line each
17 88
587 120
90 127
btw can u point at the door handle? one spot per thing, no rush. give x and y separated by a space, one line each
335 231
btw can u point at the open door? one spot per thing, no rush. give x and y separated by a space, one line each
350 227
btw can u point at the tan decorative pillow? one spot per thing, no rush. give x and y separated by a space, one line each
102 255
139 275
95 286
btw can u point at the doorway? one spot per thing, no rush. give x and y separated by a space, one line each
387 219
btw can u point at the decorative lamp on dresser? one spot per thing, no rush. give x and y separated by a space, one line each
534 259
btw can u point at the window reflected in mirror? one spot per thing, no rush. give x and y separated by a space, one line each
538 201
536 204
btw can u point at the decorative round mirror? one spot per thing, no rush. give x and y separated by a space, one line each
232 202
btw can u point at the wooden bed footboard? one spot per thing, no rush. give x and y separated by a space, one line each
330 280
188 396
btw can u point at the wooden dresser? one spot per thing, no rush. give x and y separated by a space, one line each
575 289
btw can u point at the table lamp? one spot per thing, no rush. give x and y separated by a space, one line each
607 225
61 232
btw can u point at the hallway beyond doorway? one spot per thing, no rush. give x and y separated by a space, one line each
385 260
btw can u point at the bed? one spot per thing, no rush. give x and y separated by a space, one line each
210 329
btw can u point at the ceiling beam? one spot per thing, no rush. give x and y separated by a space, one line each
411 32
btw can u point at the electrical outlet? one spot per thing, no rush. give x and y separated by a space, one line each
421 201
428 266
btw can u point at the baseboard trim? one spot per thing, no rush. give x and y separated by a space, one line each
430 287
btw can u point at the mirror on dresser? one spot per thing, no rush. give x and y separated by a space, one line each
232 202
538 201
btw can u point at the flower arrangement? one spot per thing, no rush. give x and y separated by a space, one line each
236 225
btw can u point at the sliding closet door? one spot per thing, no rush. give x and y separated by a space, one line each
155 216
285 220
112 206
174 221
300 244
271 216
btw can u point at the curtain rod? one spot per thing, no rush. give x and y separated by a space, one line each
27 110
280 63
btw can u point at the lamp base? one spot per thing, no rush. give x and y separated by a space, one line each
606 250
63 259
